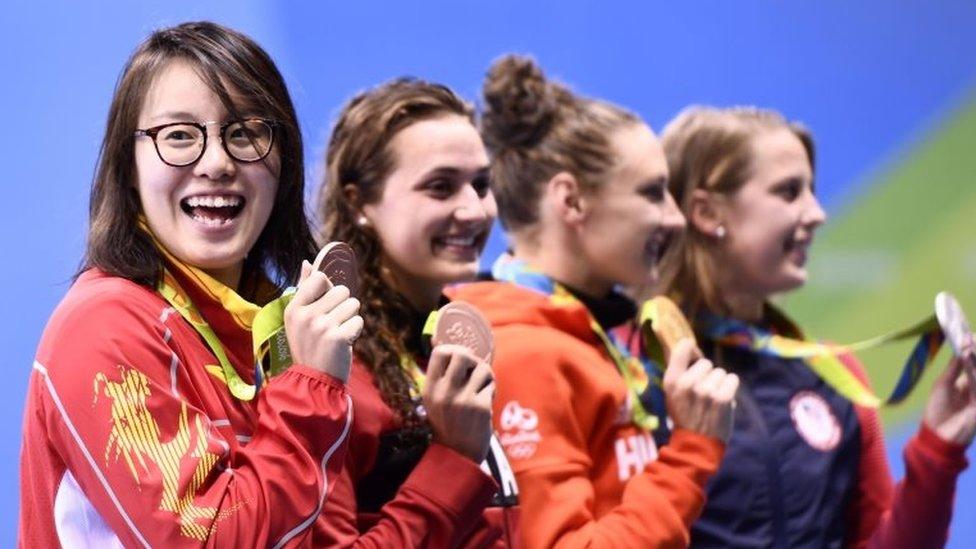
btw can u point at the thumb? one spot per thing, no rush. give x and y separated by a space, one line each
306 270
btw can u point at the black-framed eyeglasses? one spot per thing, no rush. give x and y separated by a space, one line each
180 144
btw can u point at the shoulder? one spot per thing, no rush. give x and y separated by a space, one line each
98 296
547 356
538 340
102 316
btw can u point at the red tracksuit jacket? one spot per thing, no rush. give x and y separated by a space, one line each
129 437
389 495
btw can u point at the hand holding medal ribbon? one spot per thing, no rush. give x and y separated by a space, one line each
661 320
457 389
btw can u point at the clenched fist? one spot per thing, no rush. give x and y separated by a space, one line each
457 397
700 397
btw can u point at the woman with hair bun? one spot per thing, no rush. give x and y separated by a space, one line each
407 187
146 423
581 186
805 466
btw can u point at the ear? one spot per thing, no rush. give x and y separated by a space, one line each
705 213
565 196
351 193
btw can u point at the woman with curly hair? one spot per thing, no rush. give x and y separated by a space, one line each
407 187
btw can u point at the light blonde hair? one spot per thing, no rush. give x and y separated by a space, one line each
711 149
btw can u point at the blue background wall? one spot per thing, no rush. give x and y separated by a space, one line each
874 80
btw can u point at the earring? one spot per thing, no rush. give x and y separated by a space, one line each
362 221
720 232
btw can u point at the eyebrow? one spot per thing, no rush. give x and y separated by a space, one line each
175 115
659 180
453 171
184 116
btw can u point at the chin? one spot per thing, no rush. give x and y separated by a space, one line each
466 274
794 281
457 272
212 260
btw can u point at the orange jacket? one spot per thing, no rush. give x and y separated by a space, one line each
587 475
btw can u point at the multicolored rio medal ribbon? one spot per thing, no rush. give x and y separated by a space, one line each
265 323
245 315
516 271
823 358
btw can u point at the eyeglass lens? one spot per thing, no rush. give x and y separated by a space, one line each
182 144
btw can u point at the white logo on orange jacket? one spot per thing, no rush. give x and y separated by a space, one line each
519 430
634 452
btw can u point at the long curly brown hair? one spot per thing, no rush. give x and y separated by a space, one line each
359 155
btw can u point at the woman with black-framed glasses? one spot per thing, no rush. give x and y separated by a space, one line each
146 422
180 144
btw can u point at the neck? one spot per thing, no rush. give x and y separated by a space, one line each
228 276
746 308
422 295
742 305
566 266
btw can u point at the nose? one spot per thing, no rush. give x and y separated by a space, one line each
215 164
672 217
472 208
814 214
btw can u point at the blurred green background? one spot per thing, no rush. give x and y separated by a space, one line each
880 260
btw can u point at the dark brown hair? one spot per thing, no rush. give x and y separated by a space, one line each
359 154
227 61
711 149
535 128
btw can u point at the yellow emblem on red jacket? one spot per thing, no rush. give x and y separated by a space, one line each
136 438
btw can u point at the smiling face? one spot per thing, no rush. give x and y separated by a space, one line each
770 221
633 217
208 214
435 211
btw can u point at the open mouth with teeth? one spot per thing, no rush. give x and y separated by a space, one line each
213 210
657 246
465 244
796 247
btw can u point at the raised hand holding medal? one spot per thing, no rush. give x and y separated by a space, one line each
700 396
458 387
322 320
951 408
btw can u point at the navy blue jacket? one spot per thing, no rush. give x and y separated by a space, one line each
791 465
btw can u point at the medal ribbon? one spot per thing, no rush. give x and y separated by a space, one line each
410 366
509 269
823 358
266 324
